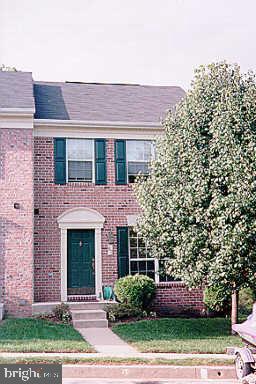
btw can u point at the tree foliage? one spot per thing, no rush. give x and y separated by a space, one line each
199 203
5 68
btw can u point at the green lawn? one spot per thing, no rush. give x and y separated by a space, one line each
37 335
210 335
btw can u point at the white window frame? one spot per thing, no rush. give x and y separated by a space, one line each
152 142
156 261
93 161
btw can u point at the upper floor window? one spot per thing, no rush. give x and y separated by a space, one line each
80 158
139 155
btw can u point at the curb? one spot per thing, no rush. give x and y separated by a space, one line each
143 355
147 372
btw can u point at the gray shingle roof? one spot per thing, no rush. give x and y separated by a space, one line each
16 90
104 102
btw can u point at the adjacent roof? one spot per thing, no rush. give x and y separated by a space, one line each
104 102
16 90
87 101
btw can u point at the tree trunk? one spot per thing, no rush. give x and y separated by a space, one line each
234 309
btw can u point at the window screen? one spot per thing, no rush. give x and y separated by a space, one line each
139 155
80 154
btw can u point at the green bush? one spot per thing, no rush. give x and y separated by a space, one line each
136 290
246 299
217 299
62 313
119 311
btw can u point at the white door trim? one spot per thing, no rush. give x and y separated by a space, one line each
81 218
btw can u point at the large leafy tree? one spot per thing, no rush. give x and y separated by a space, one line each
199 203
5 68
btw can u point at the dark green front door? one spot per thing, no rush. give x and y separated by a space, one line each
81 262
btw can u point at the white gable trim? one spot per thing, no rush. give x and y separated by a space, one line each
16 118
74 217
94 123
96 129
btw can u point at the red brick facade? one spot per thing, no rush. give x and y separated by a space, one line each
112 201
175 297
16 225
27 275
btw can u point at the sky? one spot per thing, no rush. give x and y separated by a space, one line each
158 42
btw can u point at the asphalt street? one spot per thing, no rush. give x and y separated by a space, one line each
182 381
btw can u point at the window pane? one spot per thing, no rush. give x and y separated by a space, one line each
151 265
142 253
131 178
80 149
132 233
134 267
79 170
163 276
133 242
134 168
133 253
134 150
151 275
148 149
147 268
141 242
142 267
139 150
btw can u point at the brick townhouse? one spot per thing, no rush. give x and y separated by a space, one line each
69 153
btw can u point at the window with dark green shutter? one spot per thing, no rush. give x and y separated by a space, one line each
80 160
120 161
122 251
100 162
60 160
139 155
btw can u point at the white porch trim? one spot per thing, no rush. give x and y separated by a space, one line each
81 218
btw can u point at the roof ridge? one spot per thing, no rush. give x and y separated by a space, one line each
105 84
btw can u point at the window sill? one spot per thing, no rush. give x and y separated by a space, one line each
85 183
80 182
167 284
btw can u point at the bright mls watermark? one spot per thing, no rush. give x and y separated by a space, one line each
30 373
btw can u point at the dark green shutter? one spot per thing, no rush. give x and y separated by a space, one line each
122 251
120 160
60 161
100 162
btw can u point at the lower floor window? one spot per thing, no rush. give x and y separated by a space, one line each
144 267
141 261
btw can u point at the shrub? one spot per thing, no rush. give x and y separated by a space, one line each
136 290
217 299
62 313
246 299
119 311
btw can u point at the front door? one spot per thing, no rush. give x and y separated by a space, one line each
81 262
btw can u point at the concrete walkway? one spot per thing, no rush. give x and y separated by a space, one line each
105 341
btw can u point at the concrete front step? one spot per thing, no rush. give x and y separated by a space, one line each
91 314
88 315
87 306
92 323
